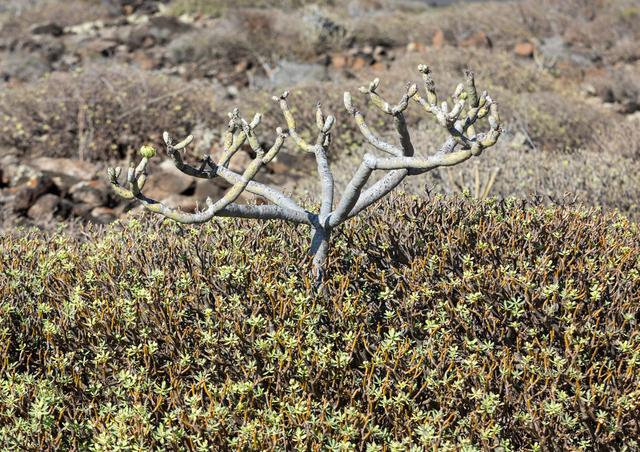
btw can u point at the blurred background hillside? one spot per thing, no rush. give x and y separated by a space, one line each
84 83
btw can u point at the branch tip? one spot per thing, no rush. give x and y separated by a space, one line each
348 103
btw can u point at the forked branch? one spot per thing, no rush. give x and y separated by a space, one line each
459 118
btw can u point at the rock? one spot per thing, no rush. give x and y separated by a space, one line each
81 211
159 30
103 215
27 194
289 74
184 203
556 49
137 6
415 46
143 60
93 193
524 49
359 63
442 38
210 188
15 173
98 48
48 206
90 28
292 163
79 169
63 182
50 50
167 180
7 197
339 60
242 66
52 29
589 89
479 40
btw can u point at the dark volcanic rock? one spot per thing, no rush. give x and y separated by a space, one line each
103 215
49 206
27 194
52 29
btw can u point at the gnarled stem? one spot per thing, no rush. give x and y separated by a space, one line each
400 161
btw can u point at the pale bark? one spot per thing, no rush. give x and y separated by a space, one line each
400 161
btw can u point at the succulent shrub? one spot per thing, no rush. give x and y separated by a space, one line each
459 120
447 324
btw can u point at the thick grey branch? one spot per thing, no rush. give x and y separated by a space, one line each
463 142
232 177
352 192
379 190
326 179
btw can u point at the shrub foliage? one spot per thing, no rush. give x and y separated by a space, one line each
98 114
449 324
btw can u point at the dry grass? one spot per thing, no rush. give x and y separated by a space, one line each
101 113
218 7
23 14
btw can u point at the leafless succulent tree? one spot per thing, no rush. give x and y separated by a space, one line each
463 142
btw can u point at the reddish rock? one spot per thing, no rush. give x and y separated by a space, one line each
359 63
415 46
367 50
143 60
339 60
438 39
442 38
242 66
524 49
479 40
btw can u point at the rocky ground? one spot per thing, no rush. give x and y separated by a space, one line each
83 83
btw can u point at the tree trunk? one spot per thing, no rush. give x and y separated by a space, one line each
319 251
